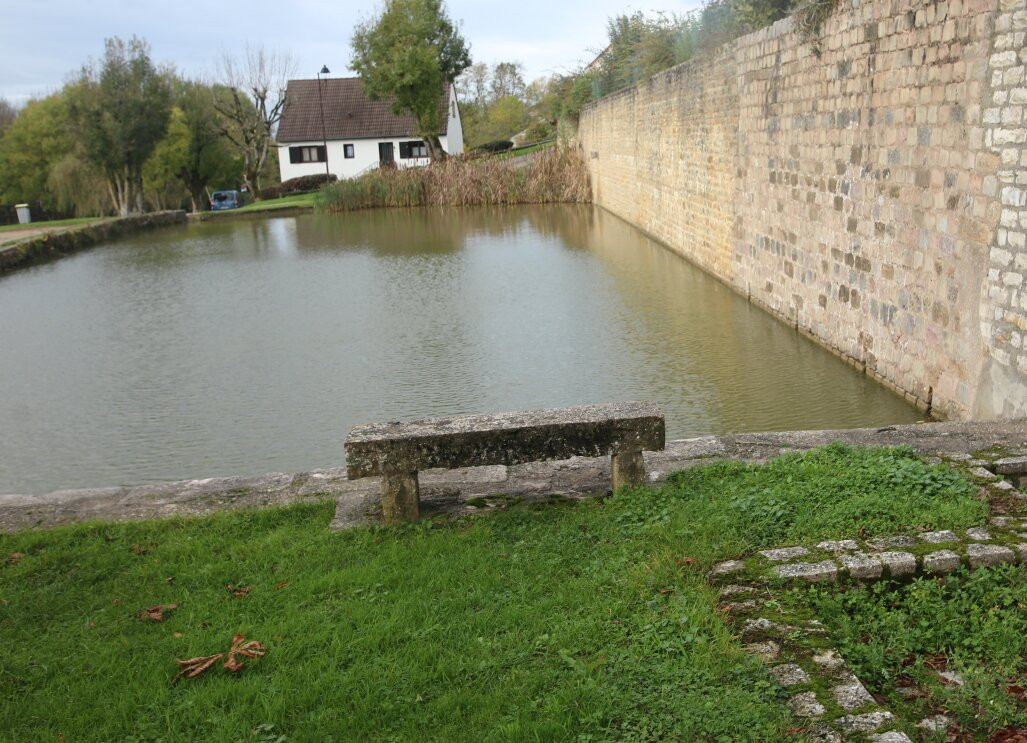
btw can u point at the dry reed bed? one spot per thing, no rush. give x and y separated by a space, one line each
552 176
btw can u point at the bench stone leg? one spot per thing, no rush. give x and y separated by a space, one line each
401 497
627 468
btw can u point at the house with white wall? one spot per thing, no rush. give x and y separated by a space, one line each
355 134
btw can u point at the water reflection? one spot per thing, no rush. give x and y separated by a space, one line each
253 345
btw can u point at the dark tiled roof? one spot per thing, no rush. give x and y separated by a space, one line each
348 113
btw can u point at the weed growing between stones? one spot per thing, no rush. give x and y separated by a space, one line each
810 17
953 646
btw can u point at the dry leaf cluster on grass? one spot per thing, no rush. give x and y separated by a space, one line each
236 654
156 613
195 666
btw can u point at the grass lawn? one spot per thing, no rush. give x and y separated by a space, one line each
528 149
285 202
584 621
51 223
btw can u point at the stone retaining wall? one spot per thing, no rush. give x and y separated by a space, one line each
874 197
55 244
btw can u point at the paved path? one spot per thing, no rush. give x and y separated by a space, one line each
10 236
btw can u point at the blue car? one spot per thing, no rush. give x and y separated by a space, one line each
225 200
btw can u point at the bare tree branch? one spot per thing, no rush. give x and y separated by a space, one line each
252 104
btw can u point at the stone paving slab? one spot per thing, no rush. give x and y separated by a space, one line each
446 491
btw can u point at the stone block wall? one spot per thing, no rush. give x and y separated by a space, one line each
875 196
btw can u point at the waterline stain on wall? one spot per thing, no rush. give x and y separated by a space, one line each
874 196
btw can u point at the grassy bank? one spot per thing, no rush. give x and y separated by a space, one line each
553 175
589 621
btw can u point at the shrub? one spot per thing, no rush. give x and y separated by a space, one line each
500 145
538 131
303 184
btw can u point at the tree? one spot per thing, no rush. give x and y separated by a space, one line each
475 83
409 53
75 187
120 112
8 113
33 144
251 105
507 81
193 154
162 185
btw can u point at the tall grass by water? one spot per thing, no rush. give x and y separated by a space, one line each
557 175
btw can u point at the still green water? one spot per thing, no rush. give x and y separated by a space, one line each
252 346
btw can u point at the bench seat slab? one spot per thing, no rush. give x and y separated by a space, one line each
507 438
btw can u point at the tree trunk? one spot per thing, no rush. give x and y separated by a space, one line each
435 150
197 200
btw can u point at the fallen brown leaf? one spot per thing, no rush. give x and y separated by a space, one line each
15 556
156 613
238 591
251 649
1009 734
686 562
178 635
137 549
904 679
665 591
193 667
281 584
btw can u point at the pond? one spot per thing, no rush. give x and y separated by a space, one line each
252 346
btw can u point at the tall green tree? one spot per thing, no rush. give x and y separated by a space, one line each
8 113
408 53
162 186
35 141
193 155
121 110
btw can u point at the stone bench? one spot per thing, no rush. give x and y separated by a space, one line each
396 451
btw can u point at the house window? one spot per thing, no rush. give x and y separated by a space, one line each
408 150
313 154
347 150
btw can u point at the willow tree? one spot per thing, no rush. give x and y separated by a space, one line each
408 53
120 110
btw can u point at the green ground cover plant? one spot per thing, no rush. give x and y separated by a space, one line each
899 638
586 621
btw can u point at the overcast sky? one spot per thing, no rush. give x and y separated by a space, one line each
43 42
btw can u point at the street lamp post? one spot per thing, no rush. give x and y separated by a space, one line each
321 106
